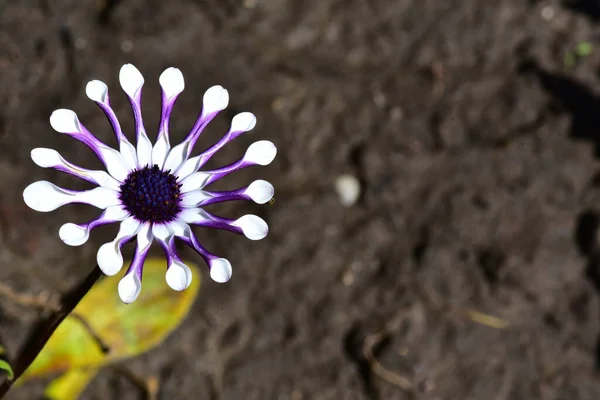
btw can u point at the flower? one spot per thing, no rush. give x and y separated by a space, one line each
156 192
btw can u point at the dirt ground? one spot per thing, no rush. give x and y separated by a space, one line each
469 269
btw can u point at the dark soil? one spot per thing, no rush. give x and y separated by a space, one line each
473 127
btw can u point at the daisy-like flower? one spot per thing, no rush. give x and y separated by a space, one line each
156 192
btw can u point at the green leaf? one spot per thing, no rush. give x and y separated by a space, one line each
4 366
584 49
126 329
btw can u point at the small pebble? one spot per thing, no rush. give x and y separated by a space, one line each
396 113
80 43
348 278
548 13
126 46
379 99
348 188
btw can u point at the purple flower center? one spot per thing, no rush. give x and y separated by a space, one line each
151 195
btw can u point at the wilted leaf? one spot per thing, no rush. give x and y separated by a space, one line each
127 329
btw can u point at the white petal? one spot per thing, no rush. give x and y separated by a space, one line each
262 152
160 150
116 165
65 121
131 80
162 232
193 216
76 235
179 227
109 257
177 156
144 237
253 227
171 81
49 158
46 158
73 235
195 181
144 150
260 191
193 198
220 270
44 196
115 213
129 154
179 276
130 287
129 227
96 91
215 99
188 167
243 122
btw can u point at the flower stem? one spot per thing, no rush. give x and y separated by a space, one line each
45 327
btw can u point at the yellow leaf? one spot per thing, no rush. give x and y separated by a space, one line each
127 329
70 385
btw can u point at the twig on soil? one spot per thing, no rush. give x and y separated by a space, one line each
483 319
377 368
42 301
439 79
437 303
46 326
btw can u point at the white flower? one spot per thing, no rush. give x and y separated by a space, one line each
156 192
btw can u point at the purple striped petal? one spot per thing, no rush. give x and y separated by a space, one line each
251 226
45 196
97 91
172 84
258 191
240 124
215 99
78 234
132 81
131 284
109 257
219 268
259 153
49 158
179 275
66 121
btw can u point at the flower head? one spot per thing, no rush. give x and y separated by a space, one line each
154 190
